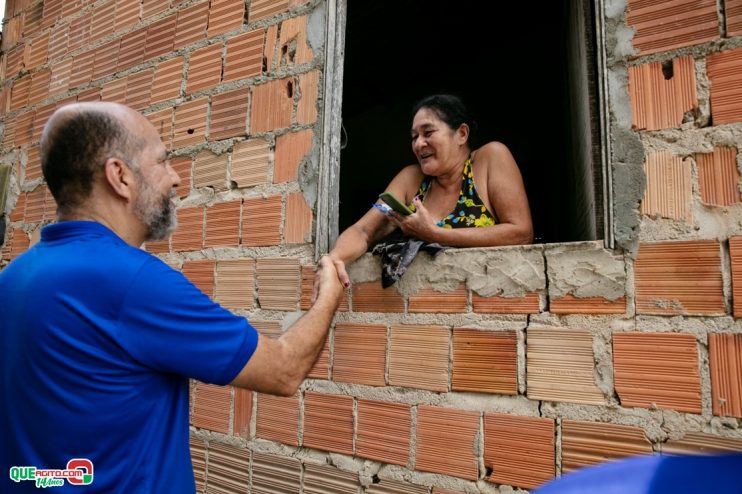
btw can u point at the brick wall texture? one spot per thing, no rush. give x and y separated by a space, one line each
457 390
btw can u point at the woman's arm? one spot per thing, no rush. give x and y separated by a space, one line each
356 239
507 194
374 225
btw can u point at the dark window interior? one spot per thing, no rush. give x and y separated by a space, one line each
508 60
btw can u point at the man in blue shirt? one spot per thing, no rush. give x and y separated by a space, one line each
98 338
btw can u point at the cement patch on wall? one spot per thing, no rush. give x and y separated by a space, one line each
581 269
502 271
585 269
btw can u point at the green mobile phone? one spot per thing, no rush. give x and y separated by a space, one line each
395 203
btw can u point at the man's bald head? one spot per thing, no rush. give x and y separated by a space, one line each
76 142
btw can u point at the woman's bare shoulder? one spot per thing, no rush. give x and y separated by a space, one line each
495 158
493 150
412 171
410 174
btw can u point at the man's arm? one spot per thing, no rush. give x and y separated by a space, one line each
278 366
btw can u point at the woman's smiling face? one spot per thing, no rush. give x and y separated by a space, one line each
436 145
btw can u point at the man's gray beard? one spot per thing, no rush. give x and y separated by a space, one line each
160 226
160 219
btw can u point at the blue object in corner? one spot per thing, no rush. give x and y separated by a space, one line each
657 474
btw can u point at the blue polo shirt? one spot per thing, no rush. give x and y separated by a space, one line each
97 342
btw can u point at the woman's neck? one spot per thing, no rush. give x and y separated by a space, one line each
452 179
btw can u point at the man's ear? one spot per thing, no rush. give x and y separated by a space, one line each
119 177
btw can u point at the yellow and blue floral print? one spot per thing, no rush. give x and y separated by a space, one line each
470 211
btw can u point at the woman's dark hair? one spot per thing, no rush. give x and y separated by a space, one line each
452 110
75 149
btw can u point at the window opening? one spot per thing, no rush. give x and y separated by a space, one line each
532 88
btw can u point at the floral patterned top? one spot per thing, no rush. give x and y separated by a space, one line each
470 211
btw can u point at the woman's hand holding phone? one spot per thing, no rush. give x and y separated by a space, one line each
393 202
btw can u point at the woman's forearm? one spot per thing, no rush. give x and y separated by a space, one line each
350 245
356 239
490 236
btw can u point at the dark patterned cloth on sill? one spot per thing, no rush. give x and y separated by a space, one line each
397 252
